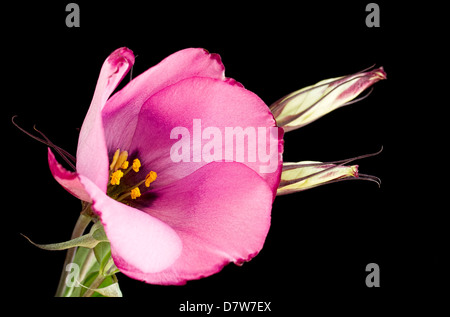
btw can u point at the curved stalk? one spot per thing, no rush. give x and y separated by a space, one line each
81 225
95 284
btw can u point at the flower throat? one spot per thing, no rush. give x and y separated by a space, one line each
119 168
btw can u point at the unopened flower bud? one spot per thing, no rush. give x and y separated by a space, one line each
308 104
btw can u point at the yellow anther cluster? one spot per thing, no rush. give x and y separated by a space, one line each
150 178
136 165
114 160
135 193
124 165
119 168
115 177
119 161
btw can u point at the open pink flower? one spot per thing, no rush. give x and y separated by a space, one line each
200 214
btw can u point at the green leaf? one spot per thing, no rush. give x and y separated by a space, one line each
98 232
109 267
101 251
90 240
86 241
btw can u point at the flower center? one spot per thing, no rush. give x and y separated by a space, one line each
119 187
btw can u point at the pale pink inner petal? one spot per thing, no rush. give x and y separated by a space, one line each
221 212
122 110
200 106
92 154
137 239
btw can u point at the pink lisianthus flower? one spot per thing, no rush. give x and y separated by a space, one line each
170 219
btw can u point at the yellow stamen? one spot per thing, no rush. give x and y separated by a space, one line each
135 193
150 178
115 177
114 160
119 168
124 165
121 159
136 165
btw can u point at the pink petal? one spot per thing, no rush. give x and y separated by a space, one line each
121 111
218 105
221 213
69 180
92 155
137 239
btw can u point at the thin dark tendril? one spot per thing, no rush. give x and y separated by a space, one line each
365 69
340 162
335 165
131 73
371 178
131 70
69 158
360 177
57 148
26 132
358 99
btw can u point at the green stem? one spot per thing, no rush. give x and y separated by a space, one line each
95 284
81 225
87 265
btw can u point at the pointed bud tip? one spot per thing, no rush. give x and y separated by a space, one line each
121 55
355 172
378 74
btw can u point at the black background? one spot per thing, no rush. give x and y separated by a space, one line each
320 240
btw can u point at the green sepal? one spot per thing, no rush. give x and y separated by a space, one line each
90 240
103 255
102 252
108 268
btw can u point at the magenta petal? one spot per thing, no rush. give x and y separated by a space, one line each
212 104
69 180
138 240
121 112
92 154
221 213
